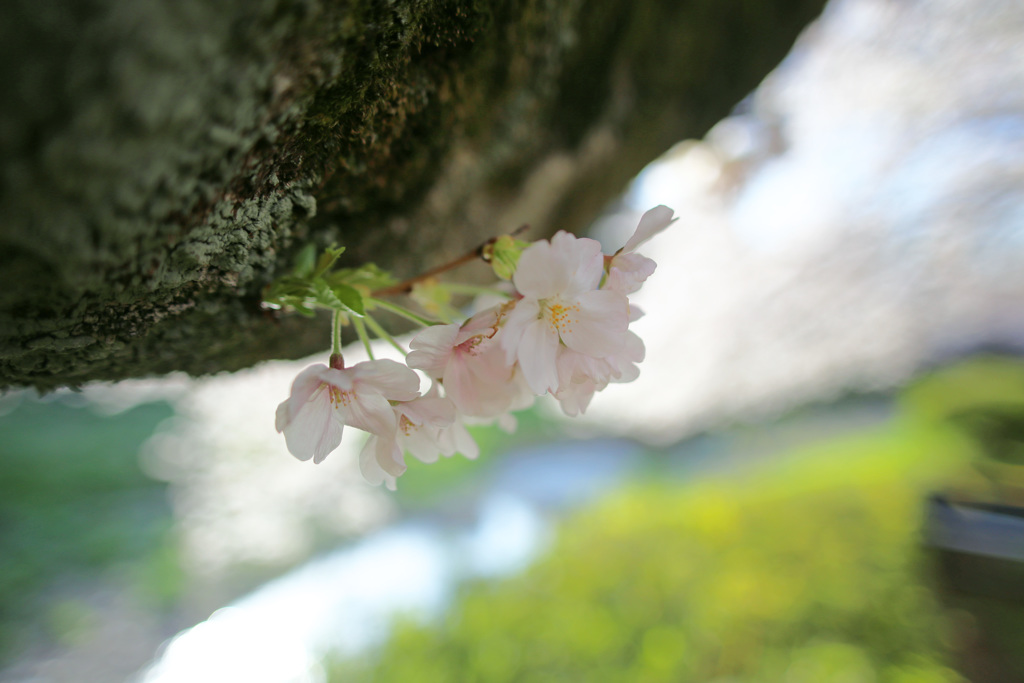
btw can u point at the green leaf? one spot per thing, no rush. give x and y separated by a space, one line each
290 286
312 284
368 276
305 261
351 298
327 260
339 297
326 296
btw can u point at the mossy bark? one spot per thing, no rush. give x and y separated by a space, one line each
162 159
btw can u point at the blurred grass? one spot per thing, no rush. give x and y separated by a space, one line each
74 506
808 568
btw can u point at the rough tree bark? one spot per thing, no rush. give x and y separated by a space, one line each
162 159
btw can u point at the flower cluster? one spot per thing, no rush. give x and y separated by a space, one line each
565 331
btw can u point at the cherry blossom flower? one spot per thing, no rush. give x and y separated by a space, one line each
325 399
470 363
581 376
566 331
561 304
457 439
427 428
627 270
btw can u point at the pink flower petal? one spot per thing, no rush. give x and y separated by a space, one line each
460 384
481 384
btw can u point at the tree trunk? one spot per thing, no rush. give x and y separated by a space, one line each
163 159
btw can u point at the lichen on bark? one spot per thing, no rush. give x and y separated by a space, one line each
163 159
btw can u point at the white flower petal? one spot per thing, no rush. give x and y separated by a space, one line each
623 364
396 382
431 349
568 361
627 374
628 272
433 411
583 260
371 412
483 323
315 430
305 384
634 349
282 417
541 272
457 439
329 440
575 398
422 444
651 223
481 384
464 442
508 423
522 396
599 325
371 469
537 352
389 456
523 314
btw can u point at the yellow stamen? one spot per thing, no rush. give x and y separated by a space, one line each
339 397
561 316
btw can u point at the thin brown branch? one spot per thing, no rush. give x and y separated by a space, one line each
481 252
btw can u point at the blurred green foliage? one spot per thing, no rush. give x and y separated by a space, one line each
983 400
73 505
804 569
657 585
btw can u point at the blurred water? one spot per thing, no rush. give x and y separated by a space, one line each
345 601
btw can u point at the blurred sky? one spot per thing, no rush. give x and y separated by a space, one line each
860 218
